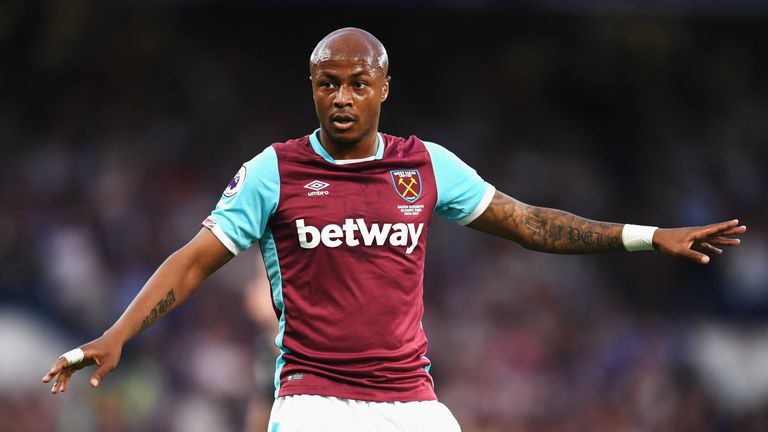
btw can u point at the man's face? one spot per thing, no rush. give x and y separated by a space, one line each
348 94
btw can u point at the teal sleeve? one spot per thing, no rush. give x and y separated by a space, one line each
462 195
249 201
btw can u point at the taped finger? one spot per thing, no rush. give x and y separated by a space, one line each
73 357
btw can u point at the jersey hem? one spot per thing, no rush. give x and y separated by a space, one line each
340 393
490 190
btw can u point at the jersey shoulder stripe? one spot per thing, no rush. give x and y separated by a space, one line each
242 214
462 195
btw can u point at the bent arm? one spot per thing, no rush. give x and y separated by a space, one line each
547 230
171 284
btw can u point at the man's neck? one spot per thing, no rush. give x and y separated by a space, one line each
362 149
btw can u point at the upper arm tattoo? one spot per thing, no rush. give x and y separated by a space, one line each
548 230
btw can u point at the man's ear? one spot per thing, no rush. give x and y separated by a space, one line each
385 89
312 84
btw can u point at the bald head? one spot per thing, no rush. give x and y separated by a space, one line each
351 44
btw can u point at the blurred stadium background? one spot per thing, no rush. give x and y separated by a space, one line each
122 121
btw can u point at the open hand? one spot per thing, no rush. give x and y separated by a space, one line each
695 243
103 352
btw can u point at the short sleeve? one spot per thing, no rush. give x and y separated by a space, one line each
462 195
246 205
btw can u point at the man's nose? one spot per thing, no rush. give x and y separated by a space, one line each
343 97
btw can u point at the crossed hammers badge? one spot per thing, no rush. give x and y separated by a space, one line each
407 184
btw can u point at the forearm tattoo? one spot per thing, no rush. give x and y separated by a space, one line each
551 230
562 232
163 306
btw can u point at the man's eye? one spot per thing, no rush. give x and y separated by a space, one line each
360 85
326 85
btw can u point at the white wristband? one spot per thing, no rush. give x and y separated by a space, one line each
73 357
638 237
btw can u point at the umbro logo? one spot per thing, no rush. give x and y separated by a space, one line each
317 187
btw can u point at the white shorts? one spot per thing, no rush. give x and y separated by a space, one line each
309 413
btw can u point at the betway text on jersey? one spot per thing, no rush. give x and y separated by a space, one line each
355 232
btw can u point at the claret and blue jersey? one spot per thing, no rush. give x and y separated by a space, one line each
343 243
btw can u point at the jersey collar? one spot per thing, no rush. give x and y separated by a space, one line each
319 149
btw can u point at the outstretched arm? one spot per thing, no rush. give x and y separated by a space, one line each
556 231
172 283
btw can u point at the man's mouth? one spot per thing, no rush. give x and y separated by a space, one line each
342 121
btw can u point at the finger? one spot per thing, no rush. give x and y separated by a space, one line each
74 356
714 229
720 235
724 241
100 374
731 228
65 384
57 367
741 229
55 387
57 383
722 226
68 359
694 256
61 380
709 248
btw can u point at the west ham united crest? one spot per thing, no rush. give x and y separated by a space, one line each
407 184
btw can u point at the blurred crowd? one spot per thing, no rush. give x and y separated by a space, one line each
120 126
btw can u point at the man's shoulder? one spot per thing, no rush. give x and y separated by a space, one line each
296 148
396 145
295 143
390 138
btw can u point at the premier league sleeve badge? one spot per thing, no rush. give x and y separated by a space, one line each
236 183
